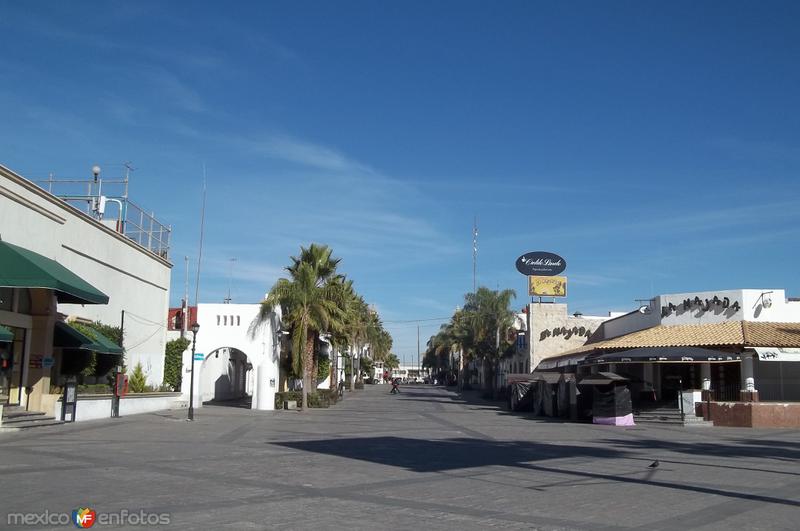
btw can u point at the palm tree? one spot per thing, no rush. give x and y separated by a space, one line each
488 314
321 258
310 303
356 320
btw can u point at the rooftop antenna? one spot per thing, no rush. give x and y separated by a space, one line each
228 299
128 169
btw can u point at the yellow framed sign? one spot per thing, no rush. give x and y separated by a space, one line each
552 286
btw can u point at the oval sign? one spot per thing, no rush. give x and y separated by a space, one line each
541 263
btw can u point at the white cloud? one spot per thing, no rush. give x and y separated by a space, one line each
284 147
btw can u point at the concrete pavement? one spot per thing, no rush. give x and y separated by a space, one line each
427 458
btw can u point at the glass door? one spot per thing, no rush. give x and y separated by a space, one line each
6 362
11 367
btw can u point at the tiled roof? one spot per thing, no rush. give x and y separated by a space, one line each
731 333
771 334
700 335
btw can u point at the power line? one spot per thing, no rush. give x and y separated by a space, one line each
143 320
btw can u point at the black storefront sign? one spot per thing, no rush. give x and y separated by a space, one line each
541 263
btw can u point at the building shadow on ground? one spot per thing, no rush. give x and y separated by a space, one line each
421 455
241 403
447 455
778 450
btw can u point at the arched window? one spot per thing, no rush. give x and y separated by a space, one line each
218 320
238 320
224 320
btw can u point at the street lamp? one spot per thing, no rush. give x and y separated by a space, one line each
195 329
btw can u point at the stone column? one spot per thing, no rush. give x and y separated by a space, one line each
41 344
705 375
748 392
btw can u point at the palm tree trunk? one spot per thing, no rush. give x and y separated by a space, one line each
334 369
352 369
308 366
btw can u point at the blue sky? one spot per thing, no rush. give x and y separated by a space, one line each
655 146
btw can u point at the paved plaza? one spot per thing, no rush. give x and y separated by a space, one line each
425 459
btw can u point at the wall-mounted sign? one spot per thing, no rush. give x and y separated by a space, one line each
566 333
703 305
778 354
541 263
547 286
199 356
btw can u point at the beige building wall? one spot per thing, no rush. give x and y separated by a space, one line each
552 331
135 279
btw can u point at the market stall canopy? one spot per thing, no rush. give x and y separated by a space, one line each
656 354
602 378
87 338
574 357
6 335
25 269
547 377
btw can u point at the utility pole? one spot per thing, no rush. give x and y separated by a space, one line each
185 308
419 368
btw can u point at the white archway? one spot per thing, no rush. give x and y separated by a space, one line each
225 374
225 329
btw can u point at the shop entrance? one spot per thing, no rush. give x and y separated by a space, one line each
11 367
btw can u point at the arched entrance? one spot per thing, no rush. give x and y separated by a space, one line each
226 374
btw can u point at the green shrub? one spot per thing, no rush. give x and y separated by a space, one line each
173 363
318 399
96 389
137 383
323 368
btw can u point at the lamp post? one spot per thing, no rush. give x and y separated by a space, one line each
195 329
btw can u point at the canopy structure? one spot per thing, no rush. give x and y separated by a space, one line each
602 378
87 338
25 269
661 354
6 335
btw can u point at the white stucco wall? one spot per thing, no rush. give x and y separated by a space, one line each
750 302
93 408
226 326
134 279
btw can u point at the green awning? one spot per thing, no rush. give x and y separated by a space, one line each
6 335
21 268
83 337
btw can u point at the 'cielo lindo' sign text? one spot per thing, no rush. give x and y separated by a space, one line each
541 263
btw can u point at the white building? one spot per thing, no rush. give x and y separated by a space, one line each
231 362
83 267
735 346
